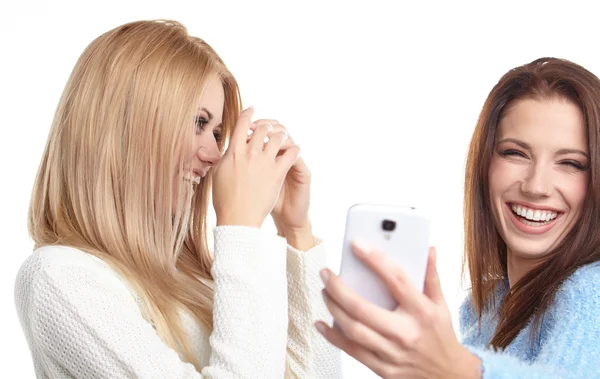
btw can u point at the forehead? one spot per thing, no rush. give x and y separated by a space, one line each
213 97
552 123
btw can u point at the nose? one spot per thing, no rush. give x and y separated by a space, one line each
209 155
538 182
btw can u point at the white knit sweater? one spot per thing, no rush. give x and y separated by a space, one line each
81 320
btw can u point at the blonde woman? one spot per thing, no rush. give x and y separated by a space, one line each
121 283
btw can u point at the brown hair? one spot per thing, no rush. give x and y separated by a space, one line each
105 181
485 251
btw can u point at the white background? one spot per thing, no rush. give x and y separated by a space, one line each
382 96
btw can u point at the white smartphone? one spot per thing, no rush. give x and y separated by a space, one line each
402 233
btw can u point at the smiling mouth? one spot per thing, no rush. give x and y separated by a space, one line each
533 217
192 177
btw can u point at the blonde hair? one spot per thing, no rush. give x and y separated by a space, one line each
105 182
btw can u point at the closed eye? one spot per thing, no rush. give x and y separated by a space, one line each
512 152
576 165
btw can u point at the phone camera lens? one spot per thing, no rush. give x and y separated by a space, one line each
388 225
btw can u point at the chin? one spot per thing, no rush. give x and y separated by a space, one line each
527 249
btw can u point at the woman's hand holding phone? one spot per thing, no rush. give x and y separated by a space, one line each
415 340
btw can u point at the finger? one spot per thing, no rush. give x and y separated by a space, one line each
360 333
238 138
276 127
257 140
286 160
433 287
396 280
263 121
336 338
287 144
301 171
395 325
276 142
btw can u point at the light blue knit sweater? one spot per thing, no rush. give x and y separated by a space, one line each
568 344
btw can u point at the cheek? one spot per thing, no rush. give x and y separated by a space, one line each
187 152
502 175
575 190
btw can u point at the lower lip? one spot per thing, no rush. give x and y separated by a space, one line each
530 229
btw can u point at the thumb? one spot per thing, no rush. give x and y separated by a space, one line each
240 133
288 159
432 287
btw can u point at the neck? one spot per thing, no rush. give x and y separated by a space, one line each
518 266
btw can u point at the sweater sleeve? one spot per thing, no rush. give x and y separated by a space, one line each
309 355
250 304
85 320
571 348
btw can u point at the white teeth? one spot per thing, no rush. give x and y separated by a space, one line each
195 179
534 215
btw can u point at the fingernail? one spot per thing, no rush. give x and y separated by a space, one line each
362 245
324 275
270 127
320 327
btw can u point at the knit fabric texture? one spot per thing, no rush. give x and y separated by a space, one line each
568 342
82 320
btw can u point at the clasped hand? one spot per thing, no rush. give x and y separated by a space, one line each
257 178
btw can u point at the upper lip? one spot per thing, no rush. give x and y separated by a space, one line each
534 207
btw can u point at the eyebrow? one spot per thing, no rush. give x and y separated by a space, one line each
210 116
526 146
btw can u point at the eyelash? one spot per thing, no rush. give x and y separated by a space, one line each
508 152
511 152
200 122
